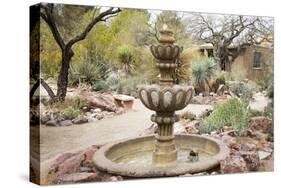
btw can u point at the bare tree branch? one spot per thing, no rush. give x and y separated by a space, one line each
46 14
93 22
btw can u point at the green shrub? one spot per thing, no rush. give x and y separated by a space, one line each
188 115
70 108
100 85
70 112
232 113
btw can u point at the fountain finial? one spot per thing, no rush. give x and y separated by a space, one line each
166 35
166 53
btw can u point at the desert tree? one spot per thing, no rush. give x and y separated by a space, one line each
49 13
224 31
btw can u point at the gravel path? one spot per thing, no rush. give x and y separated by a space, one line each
56 140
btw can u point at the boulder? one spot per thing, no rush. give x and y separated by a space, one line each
99 100
80 120
65 123
233 164
68 163
52 122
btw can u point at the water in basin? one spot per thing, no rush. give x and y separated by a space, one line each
145 157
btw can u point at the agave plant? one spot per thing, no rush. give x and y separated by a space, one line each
88 72
202 71
126 58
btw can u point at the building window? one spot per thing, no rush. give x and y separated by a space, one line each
257 60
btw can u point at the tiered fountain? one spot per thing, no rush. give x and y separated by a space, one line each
164 154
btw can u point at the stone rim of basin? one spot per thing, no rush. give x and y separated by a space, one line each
132 170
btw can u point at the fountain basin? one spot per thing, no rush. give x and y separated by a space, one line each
165 99
133 157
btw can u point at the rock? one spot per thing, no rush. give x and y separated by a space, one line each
99 100
215 173
260 123
263 155
45 118
252 160
108 114
99 116
76 178
86 169
213 94
247 147
65 123
68 163
97 110
80 120
233 164
120 111
52 122
191 127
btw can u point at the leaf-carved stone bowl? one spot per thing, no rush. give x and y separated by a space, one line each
165 98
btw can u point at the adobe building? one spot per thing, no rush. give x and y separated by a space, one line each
255 58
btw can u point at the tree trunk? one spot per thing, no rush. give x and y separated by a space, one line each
49 90
63 75
33 89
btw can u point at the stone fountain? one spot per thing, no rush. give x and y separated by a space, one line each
164 154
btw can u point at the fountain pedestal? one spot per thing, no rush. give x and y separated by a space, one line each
165 151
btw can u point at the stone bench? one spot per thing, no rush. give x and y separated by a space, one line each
124 101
